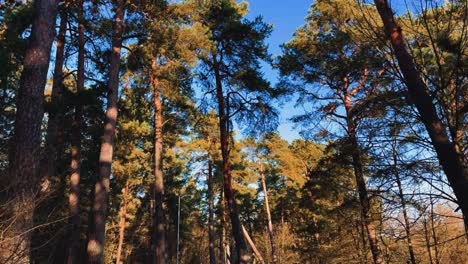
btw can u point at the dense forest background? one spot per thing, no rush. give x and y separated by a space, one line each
146 132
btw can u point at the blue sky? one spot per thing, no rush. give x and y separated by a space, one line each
285 16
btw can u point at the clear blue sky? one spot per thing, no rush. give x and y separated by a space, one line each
285 16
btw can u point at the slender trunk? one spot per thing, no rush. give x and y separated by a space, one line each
451 161
211 231
123 218
267 209
159 240
282 212
428 241
403 206
222 239
362 231
360 181
74 197
54 136
241 247
361 184
21 185
434 234
365 204
252 245
96 238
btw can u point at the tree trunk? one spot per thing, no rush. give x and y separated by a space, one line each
123 218
403 206
267 209
96 238
74 197
365 202
241 246
21 186
159 239
359 175
451 161
54 136
434 233
211 231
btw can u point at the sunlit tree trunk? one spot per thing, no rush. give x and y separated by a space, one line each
75 168
252 245
223 251
451 161
241 246
211 231
95 246
21 186
267 209
123 218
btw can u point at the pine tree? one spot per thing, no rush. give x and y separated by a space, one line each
231 63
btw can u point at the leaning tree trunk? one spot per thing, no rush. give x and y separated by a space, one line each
74 196
241 247
159 238
267 209
21 186
451 161
95 246
211 222
252 245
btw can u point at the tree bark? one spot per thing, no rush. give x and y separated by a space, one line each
159 239
241 246
21 185
95 246
123 218
451 161
211 230
267 209
74 196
